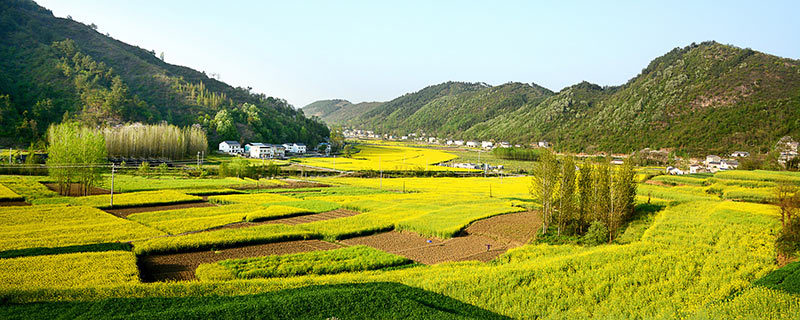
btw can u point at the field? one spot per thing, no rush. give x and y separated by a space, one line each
708 253
387 158
7 195
133 199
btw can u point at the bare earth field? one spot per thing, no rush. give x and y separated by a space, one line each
484 240
124 212
181 266
13 203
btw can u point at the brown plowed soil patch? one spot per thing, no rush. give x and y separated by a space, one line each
338 213
124 212
181 266
484 240
13 203
75 189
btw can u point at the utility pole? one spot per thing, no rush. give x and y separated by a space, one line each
334 162
198 160
112 184
9 154
380 167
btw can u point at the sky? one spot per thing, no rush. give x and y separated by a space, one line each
304 51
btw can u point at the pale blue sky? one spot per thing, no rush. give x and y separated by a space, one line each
305 51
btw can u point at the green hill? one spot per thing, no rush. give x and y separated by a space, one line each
53 68
338 112
702 98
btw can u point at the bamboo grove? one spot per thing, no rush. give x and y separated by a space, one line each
155 141
594 199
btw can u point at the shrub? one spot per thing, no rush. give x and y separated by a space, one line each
597 234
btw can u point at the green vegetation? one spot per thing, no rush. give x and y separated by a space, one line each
338 112
219 239
275 211
59 68
257 198
75 155
339 301
674 103
130 183
41 251
58 226
524 154
349 259
122 200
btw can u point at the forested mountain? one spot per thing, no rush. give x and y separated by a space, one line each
337 111
702 98
53 69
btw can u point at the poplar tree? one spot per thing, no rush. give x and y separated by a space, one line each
566 194
543 185
585 191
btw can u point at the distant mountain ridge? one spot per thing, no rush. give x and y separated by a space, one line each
53 69
703 98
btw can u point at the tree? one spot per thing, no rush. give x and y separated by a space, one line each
585 191
622 196
273 170
566 194
75 155
787 198
601 196
543 185
337 139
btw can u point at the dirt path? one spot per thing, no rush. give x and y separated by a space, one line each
484 240
125 212
13 203
181 266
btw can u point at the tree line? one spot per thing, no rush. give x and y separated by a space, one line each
155 141
515 153
593 200
787 198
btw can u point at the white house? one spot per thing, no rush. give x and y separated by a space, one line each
472 144
459 142
675 171
431 140
544 144
695 169
279 150
231 147
740 154
712 158
450 142
728 164
505 144
487 144
294 147
260 150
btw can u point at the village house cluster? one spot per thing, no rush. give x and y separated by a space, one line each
258 150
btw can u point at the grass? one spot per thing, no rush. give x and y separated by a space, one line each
275 211
349 259
314 206
681 180
219 239
69 270
59 226
254 198
132 183
124 200
785 279
339 301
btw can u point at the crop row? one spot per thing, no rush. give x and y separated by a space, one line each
349 259
7 195
89 269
